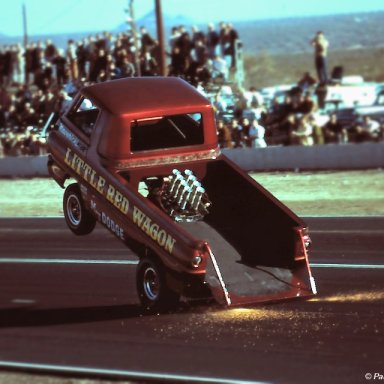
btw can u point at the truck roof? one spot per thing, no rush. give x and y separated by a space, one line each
124 96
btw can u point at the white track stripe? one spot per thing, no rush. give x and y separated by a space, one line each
11 260
347 266
121 373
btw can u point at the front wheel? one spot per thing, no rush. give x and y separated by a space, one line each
154 294
78 218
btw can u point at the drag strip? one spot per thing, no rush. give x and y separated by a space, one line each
68 305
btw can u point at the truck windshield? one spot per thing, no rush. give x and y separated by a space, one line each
167 132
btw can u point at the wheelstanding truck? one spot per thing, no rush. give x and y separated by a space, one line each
146 163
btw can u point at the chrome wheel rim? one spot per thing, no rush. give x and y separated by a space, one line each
74 210
151 283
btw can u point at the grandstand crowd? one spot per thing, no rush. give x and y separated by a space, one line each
36 81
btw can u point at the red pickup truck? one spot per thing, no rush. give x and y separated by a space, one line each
147 166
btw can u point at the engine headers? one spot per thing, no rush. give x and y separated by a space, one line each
183 197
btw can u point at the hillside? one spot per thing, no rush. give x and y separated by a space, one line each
264 69
293 35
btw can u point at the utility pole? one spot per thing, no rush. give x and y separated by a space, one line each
160 37
25 33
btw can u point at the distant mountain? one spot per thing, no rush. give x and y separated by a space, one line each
149 22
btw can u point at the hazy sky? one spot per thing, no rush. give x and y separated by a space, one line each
58 16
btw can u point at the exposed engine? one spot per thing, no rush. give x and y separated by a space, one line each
180 195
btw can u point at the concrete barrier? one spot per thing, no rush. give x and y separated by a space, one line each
319 157
24 166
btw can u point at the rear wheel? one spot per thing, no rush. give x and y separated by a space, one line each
154 294
78 218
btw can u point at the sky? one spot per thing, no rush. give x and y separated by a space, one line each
66 16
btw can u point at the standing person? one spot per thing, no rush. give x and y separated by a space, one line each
50 51
321 44
212 41
237 134
82 57
147 41
72 60
367 130
233 38
60 64
99 67
334 132
224 135
256 135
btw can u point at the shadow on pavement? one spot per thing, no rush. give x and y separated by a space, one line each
32 317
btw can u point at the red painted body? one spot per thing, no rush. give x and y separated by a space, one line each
136 133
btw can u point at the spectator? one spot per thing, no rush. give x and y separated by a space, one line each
184 44
72 60
99 67
237 134
256 135
60 64
212 41
219 106
147 41
197 36
220 68
320 44
334 132
306 82
199 52
305 105
282 131
148 65
57 73
175 35
231 50
19 64
223 38
302 134
82 58
224 136
127 68
50 51
368 130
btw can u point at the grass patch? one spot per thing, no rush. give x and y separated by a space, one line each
309 193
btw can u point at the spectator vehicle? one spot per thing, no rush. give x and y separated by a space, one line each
146 163
351 116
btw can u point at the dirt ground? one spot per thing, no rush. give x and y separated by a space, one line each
315 193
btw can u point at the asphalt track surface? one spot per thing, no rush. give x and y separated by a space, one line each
68 305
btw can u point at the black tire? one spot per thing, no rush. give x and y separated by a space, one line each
78 218
154 294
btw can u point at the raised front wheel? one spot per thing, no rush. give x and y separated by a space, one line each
78 218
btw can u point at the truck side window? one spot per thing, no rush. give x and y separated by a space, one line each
167 132
84 116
